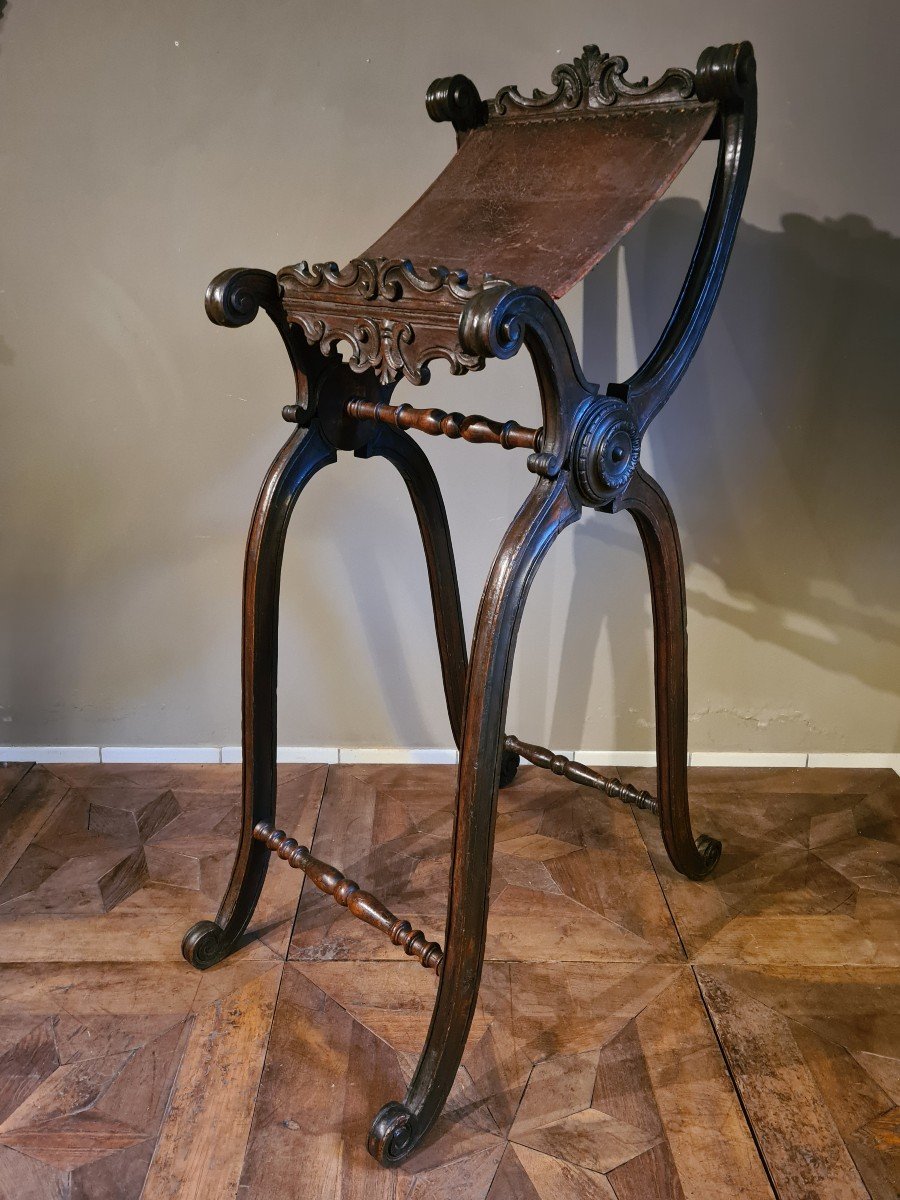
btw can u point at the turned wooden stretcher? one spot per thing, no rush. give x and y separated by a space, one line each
540 188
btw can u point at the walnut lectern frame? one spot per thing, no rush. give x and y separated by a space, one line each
540 188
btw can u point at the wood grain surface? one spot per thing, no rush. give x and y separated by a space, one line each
638 1036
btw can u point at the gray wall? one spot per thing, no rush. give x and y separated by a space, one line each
144 147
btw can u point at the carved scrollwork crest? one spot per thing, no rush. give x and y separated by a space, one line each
394 316
595 81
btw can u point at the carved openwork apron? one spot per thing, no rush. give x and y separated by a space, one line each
540 188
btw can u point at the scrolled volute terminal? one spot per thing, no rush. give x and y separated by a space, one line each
491 322
393 1135
725 72
235 296
204 945
710 850
456 99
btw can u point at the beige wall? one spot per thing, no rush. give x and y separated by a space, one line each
144 147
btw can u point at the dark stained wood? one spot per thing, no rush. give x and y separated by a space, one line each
540 188
645 500
397 1128
559 764
304 454
399 449
602 160
323 301
349 895
726 74
603 153
508 434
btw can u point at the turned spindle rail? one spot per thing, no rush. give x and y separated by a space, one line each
508 434
540 756
369 908
346 892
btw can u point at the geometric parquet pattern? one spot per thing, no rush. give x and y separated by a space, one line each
638 1036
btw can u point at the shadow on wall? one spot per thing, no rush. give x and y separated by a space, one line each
779 451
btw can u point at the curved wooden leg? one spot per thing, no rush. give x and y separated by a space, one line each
398 1128
425 492
647 503
305 453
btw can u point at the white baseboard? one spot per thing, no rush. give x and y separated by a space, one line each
438 754
614 758
288 754
396 754
729 758
160 754
50 754
857 759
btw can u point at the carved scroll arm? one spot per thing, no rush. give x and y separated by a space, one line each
497 322
727 74
234 298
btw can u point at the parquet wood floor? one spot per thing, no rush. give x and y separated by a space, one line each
637 1037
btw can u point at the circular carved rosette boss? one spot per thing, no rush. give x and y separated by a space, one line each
606 449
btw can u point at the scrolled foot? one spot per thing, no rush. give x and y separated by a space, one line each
709 849
204 945
392 1136
509 766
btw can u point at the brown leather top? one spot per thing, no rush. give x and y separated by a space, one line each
541 201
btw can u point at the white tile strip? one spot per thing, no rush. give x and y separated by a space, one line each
616 758
50 754
737 758
289 754
396 754
864 759
160 754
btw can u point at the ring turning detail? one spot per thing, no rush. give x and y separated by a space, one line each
510 435
440 286
361 904
539 756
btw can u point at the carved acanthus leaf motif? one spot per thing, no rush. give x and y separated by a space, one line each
395 317
594 81
370 278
